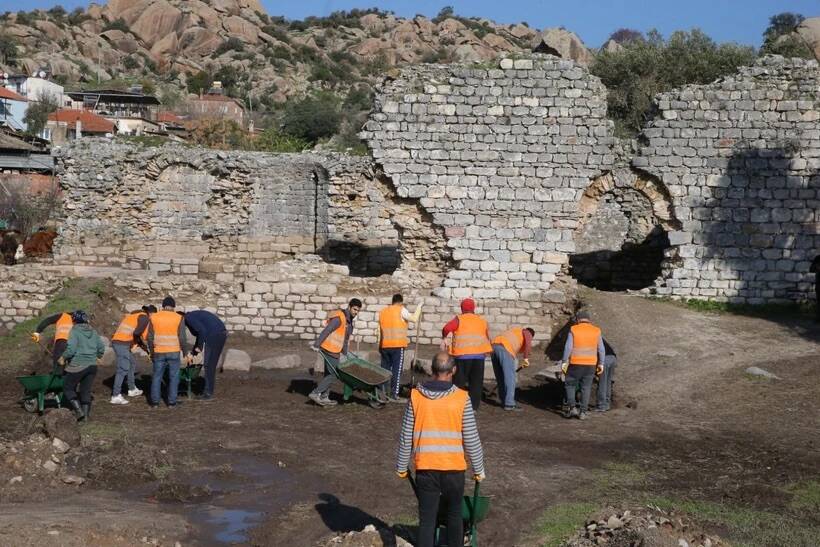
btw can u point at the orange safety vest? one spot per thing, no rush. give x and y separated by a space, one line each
336 341
437 439
470 338
62 329
166 331
393 327
125 332
512 340
585 338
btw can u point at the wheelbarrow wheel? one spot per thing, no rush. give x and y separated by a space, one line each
30 405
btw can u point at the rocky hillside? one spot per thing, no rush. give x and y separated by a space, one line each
185 43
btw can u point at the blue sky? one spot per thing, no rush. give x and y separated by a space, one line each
725 20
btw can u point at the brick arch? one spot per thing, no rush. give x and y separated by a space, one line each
651 188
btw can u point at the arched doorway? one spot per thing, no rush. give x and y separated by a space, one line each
621 238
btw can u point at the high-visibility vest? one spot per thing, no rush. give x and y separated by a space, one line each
166 331
437 433
585 338
470 338
125 331
512 340
62 329
336 341
393 327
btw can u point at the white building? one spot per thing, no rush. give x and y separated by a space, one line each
34 88
13 109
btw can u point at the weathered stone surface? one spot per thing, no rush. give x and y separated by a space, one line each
60 423
564 44
291 360
809 30
236 359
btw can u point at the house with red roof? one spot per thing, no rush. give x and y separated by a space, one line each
67 124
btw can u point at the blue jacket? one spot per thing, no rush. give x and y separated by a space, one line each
203 324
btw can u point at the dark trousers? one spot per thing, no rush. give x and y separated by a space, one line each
435 487
214 344
470 377
57 352
583 375
83 379
393 360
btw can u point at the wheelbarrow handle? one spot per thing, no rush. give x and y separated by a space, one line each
476 488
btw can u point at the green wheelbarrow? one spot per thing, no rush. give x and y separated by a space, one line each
473 510
188 375
39 388
357 374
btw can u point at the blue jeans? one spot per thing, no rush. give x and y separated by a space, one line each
605 383
125 367
393 360
161 361
504 369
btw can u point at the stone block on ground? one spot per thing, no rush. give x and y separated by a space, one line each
236 359
61 423
291 360
762 373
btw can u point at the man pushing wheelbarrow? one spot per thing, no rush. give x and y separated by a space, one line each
439 431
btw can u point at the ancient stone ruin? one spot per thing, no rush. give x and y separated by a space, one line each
502 182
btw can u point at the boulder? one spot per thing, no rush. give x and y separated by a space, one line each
199 41
809 30
611 46
291 360
51 30
242 29
156 22
756 371
60 446
61 423
236 359
564 44
166 45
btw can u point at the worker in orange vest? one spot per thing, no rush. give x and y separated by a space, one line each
333 344
583 359
123 342
393 340
470 346
166 339
62 330
438 430
505 349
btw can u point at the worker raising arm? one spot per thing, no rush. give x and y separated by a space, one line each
393 339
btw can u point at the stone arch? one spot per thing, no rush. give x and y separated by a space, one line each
621 239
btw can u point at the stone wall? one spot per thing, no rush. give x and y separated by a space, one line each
741 160
499 157
24 291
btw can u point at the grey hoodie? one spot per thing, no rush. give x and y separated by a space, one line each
469 430
84 348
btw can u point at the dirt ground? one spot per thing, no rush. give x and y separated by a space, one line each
261 465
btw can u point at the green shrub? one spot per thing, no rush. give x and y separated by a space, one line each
130 63
117 24
643 68
231 44
201 81
273 140
312 118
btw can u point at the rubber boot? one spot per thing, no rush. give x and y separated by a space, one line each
87 411
78 411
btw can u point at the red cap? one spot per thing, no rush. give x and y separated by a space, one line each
468 305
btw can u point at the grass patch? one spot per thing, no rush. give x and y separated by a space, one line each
16 347
792 310
805 496
103 431
747 527
560 521
618 479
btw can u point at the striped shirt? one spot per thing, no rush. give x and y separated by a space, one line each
472 443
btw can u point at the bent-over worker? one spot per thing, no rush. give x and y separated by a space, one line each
470 346
606 378
583 358
62 329
123 342
505 349
211 334
393 340
333 344
438 430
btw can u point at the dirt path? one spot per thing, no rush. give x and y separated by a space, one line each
261 465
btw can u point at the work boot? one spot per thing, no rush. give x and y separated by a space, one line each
78 411
87 411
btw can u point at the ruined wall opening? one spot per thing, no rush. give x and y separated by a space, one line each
622 235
